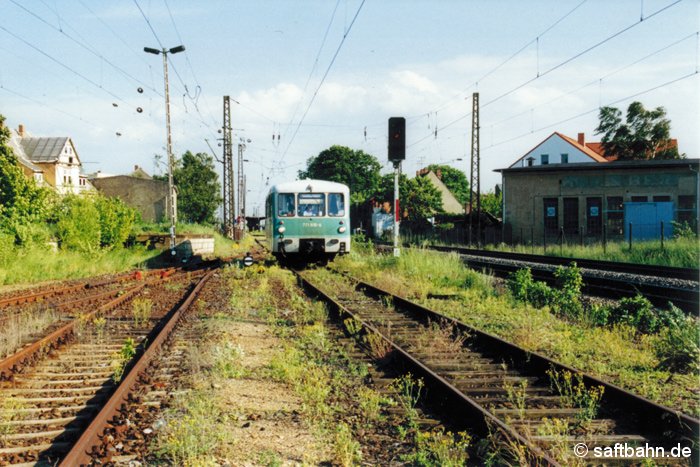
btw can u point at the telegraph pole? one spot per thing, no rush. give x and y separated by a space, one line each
241 185
172 197
475 184
229 196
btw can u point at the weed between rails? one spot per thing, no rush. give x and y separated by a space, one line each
642 363
122 358
19 327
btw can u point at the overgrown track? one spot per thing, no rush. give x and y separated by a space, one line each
47 399
660 284
503 389
55 293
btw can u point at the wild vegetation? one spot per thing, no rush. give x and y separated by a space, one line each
681 251
660 365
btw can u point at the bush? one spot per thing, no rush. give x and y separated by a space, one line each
677 348
598 315
78 226
33 235
116 221
568 297
637 312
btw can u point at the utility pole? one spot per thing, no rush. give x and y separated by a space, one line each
172 196
474 177
241 186
229 196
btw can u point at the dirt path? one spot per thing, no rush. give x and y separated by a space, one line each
270 429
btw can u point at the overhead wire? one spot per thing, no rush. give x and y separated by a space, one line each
48 106
323 79
63 65
512 56
581 114
80 43
581 53
555 67
313 68
598 80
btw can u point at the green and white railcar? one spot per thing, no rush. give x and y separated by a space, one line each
308 219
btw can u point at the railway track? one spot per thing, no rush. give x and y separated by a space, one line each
659 284
504 390
71 379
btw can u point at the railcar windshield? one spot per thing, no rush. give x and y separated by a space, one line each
336 205
311 204
285 204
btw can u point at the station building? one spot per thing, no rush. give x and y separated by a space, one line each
563 189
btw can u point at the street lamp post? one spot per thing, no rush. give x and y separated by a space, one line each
171 186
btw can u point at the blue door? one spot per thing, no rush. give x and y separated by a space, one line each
646 220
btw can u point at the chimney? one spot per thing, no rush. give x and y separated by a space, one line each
136 167
20 130
582 139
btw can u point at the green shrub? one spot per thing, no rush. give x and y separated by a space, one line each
568 297
78 226
33 235
597 315
637 312
677 348
116 221
519 283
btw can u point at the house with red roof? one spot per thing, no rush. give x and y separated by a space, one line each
567 189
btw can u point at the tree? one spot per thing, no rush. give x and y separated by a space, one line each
492 203
21 200
644 135
355 168
455 180
198 188
417 196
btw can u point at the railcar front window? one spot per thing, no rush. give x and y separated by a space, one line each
311 204
285 204
336 205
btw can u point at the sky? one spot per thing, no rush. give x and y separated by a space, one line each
305 75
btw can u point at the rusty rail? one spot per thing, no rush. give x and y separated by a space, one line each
90 442
9 364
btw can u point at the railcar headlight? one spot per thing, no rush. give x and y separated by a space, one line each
281 229
341 229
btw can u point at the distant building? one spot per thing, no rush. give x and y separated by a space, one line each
51 161
584 200
449 203
561 149
138 190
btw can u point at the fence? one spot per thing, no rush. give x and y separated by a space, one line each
631 233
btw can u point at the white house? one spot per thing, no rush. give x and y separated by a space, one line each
50 160
560 149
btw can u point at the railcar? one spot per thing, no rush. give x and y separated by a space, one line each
308 220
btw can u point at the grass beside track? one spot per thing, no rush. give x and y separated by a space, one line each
679 252
27 265
618 354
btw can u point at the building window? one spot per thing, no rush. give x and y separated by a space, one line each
70 160
639 199
661 198
544 159
564 158
594 214
570 216
65 179
686 211
530 161
551 215
615 214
